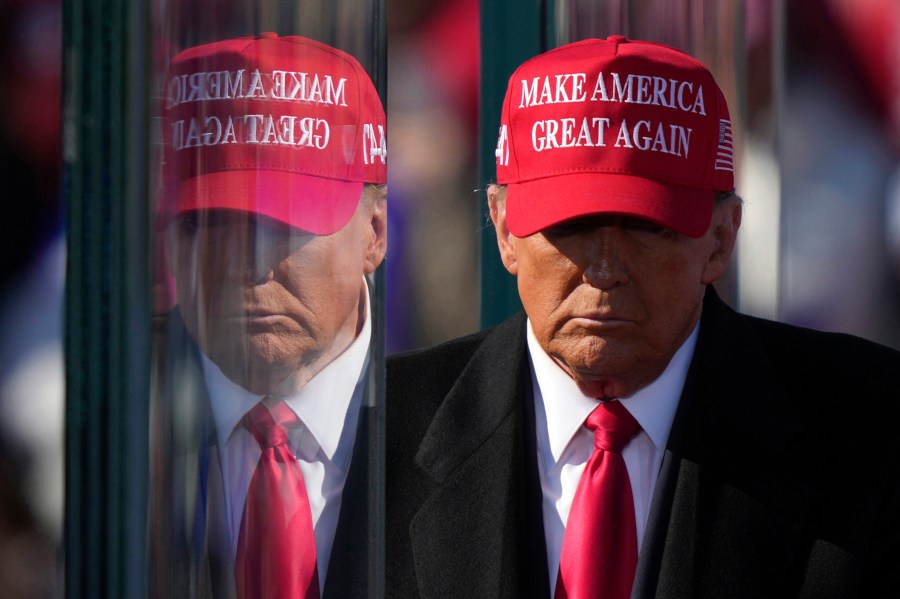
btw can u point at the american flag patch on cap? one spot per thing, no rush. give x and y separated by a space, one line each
725 150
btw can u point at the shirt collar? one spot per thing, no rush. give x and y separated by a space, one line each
327 404
562 408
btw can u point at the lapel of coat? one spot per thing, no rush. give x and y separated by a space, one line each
188 538
480 532
351 567
354 567
725 514
216 571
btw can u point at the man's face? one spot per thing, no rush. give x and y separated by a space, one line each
611 298
269 304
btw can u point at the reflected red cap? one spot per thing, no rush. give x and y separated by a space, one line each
613 126
284 127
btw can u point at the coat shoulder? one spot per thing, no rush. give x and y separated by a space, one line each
418 382
845 363
413 371
420 379
803 360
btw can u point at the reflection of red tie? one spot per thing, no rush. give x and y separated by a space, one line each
599 552
276 553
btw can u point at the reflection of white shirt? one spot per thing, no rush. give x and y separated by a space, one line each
328 408
564 444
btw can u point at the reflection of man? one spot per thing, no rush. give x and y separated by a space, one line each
630 435
276 212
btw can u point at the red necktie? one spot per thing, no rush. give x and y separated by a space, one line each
276 553
599 551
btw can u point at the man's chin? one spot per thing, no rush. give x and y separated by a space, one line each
599 372
259 372
261 377
603 388
613 380
277 349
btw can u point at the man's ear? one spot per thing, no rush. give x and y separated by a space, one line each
726 221
377 239
497 204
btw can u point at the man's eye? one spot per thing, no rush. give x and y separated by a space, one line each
569 227
646 226
188 223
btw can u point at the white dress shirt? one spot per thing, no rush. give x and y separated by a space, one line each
328 409
564 445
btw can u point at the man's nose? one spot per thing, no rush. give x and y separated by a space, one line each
256 253
267 251
605 266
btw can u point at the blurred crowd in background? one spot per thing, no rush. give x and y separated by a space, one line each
840 144
32 264
434 195
839 241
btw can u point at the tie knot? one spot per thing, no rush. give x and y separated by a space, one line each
613 426
269 425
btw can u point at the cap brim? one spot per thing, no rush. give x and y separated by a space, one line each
541 203
315 204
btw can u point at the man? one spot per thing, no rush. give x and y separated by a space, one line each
630 434
274 213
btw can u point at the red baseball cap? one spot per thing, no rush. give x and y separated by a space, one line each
613 126
284 127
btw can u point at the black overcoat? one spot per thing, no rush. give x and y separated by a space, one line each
780 476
